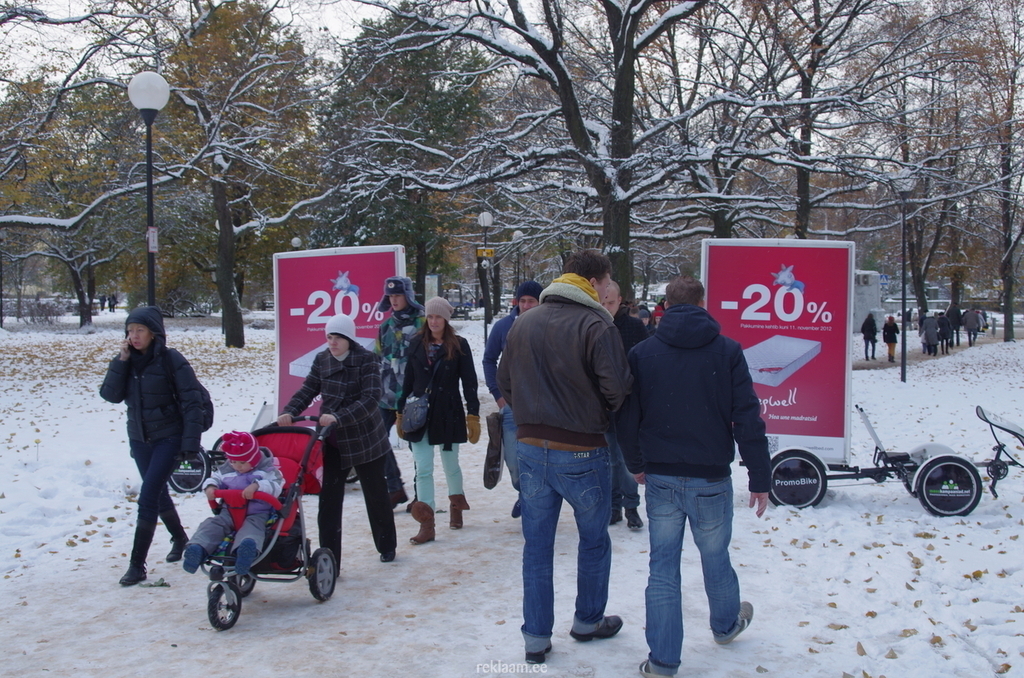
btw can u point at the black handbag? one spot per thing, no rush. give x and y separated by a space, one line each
414 415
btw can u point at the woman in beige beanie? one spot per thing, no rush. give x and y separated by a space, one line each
438 361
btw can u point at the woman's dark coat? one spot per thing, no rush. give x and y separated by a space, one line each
350 390
446 419
890 330
869 329
158 407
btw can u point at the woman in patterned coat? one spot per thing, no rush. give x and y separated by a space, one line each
347 377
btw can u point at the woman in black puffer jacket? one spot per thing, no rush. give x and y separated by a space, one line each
165 417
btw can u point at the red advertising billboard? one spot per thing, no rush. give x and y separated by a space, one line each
788 304
312 286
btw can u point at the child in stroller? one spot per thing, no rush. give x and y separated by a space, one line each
249 468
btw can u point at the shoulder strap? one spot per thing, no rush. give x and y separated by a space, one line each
430 384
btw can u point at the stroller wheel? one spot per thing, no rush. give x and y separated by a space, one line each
224 605
321 574
246 584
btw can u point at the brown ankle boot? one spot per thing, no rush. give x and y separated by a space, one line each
458 505
424 515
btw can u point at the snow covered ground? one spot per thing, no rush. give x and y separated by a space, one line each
866 584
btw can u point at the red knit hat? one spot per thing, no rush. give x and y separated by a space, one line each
241 446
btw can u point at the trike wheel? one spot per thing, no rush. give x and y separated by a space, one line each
321 574
224 604
246 584
798 479
948 486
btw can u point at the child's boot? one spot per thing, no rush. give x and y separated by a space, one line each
245 554
194 556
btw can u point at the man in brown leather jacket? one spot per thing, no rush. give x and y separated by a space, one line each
563 372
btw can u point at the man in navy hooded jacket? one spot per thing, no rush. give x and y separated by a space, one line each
692 400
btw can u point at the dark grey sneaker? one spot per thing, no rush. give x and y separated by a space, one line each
743 620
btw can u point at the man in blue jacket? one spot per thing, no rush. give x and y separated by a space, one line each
527 296
692 399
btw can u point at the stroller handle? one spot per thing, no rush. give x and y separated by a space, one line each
321 431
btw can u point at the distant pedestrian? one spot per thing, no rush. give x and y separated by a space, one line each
956 322
929 333
103 302
870 331
890 335
112 300
972 323
945 332
692 406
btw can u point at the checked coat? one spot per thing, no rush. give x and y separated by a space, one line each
350 390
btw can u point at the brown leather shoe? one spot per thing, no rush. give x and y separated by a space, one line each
458 505
424 515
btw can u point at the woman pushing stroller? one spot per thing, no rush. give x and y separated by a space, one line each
347 377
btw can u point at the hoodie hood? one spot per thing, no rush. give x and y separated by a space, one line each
686 326
151 317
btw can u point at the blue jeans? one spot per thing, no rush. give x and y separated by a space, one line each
707 504
625 491
509 445
156 462
584 480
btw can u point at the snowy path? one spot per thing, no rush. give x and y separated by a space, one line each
867 584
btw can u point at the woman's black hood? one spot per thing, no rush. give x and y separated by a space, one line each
151 317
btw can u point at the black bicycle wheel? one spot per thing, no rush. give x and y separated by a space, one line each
948 486
194 469
798 479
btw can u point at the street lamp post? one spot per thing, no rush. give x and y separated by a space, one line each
903 183
149 93
485 219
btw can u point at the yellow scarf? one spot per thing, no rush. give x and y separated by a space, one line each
580 282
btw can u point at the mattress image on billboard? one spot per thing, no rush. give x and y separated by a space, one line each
301 366
776 359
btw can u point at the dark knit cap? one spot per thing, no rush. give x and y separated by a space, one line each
529 288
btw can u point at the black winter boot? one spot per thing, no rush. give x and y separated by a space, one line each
137 563
179 539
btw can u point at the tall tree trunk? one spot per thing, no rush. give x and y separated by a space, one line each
803 174
231 309
1010 242
84 307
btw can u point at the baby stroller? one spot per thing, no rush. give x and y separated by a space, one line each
298 452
